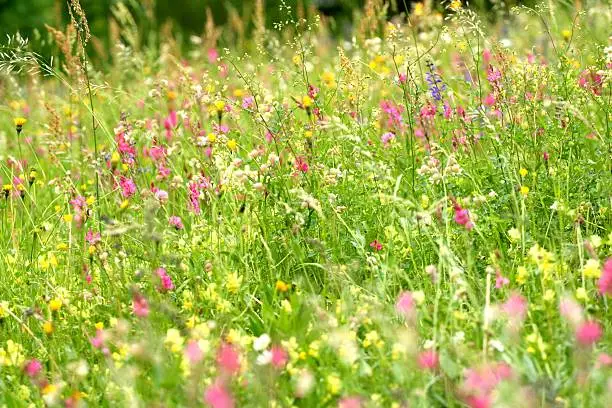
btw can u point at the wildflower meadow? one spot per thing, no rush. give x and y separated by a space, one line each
416 214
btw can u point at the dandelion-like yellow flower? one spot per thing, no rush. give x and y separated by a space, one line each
55 304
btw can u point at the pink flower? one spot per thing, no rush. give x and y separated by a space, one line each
193 352
301 164
166 281
375 245
98 341
176 222
605 281
228 359
428 360
571 311
140 306
161 196
604 360
515 307
405 304
386 138
489 100
350 402
589 333
213 54
128 188
217 396
462 217
32 368
279 357
92 237
500 280
479 401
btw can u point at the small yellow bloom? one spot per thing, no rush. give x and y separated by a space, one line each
523 172
171 95
281 286
591 269
521 275
124 204
67 218
19 122
524 191
211 137
232 145
566 34
581 294
334 384
219 105
307 101
48 327
99 325
55 304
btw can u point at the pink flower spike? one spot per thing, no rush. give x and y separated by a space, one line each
589 333
605 281
350 402
279 357
515 307
193 352
140 306
217 396
428 360
228 359
32 368
405 304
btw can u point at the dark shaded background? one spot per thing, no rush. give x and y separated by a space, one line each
189 15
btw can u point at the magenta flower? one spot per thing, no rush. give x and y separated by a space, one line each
166 281
462 217
350 402
428 360
589 333
128 187
176 222
279 357
140 306
405 304
515 307
193 352
92 237
228 359
375 245
218 396
605 281
32 368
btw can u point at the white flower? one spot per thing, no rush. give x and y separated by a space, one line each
264 358
261 343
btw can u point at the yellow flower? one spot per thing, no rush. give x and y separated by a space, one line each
219 105
232 145
174 341
521 275
524 190
211 137
171 95
124 204
566 34
418 9
67 218
514 234
99 325
455 5
4 307
19 122
581 294
281 286
523 172
333 384
591 269
233 282
55 304
48 327
307 101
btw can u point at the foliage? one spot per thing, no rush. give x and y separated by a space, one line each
417 217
